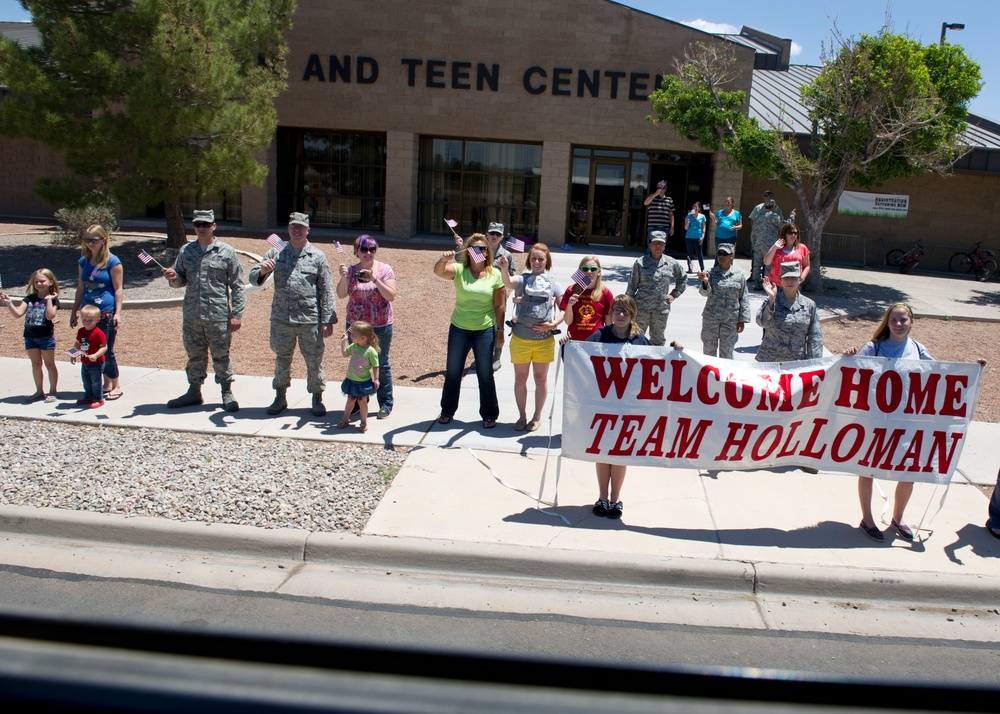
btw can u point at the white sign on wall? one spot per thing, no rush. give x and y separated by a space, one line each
880 205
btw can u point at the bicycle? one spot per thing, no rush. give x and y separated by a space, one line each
978 261
905 261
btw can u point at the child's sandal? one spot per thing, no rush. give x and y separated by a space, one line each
343 423
363 427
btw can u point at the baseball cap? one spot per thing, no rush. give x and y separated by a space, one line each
203 217
791 269
657 237
299 219
725 248
496 228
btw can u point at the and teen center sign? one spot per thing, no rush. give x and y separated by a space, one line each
484 77
894 419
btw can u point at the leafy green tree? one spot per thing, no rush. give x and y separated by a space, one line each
883 107
149 100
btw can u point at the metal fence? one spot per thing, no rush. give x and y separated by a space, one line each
844 249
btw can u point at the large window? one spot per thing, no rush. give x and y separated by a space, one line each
337 178
477 182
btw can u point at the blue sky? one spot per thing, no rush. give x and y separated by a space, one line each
809 24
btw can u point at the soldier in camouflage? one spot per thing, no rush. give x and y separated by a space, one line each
303 310
727 309
790 321
763 235
649 286
214 300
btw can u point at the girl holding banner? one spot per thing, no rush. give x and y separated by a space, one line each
623 328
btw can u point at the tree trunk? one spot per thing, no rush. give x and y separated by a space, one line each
176 234
813 234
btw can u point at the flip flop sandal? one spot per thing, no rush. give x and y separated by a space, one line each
489 423
111 396
343 423
444 420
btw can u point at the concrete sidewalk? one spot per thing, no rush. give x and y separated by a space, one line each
469 495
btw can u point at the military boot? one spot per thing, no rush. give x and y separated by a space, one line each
229 402
279 404
318 409
191 398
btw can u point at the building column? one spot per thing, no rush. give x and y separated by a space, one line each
260 203
553 202
401 163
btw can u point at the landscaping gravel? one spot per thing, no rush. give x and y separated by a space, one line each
253 481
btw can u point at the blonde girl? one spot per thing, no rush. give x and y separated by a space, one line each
100 283
39 310
891 339
362 370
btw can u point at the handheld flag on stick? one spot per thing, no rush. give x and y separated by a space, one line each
146 258
453 225
515 244
340 248
276 242
1 283
581 279
74 352
477 254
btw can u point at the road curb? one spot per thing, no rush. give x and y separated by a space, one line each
736 578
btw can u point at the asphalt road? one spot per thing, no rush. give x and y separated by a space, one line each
908 657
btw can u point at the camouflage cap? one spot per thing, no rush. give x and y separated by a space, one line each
203 217
299 219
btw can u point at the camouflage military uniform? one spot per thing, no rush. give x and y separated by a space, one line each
791 330
304 301
215 294
649 286
728 304
762 237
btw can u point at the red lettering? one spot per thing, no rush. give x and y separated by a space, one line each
738 443
613 375
772 432
810 451
785 450
602 422
676 374
922 398
650 387
737 401
838 440
859 389
625 444
686 444
953 386
703 396
880 449
654 439
912 453
769 396
810 387
889 392
939 445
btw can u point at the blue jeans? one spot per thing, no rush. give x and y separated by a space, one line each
994 521
693 246
384 335
93 384
459 343
107 326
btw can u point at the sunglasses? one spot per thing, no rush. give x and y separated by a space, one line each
493 233
91 241
792 233
370 249
202 225
590 268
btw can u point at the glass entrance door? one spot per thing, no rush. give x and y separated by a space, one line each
608 207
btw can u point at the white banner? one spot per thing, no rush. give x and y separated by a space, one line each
881 205
901 420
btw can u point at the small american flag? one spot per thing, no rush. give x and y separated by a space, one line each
516 244
581 279
275 241
340 248
478 256
451 223
1 283
145 257
74 352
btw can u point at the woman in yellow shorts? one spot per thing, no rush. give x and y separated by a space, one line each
532 347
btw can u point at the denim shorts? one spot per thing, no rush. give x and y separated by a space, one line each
40 343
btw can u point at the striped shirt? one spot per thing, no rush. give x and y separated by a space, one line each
661 212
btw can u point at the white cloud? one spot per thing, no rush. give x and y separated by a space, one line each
714 27
796 49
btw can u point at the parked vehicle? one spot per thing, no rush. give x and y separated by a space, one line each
979 261
905 261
